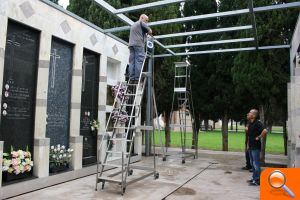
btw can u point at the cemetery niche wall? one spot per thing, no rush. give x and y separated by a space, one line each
54 74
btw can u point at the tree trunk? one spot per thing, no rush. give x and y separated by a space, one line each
236 127
263 140
225 132
195 126
206 124
231 124
285 137
167 130
214 125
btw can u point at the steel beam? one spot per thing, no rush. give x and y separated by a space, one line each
112 10
213 15
218 30
224 51
147 5
253 20
210 43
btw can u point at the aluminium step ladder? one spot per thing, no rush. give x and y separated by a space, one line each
128 98
184 110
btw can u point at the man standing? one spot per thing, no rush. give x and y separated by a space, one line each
138 32
256 131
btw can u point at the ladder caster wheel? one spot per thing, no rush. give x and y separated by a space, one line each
103 183
156 175
124 189
164 159
130 172
183 161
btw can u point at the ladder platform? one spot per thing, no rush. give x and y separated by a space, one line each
108 179
182 76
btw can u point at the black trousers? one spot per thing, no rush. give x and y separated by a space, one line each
248 162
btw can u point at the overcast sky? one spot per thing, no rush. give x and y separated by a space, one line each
64 3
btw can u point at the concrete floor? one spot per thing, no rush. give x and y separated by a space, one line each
222 180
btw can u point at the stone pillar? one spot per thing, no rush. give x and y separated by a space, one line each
3 30
102 104
41 157
76 143
41 143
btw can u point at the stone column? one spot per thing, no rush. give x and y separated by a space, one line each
41 143
3 30
76 141
102 103
41 157
296 115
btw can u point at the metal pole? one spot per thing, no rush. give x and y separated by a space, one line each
149 106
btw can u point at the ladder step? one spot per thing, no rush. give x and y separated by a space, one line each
138 94
113 165
183 99
123 127
120 139
179 89
129 105
147 128
102 178
182 76
178 125
118 152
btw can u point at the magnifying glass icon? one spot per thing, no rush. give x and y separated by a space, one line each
277 180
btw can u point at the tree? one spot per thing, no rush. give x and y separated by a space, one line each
264 74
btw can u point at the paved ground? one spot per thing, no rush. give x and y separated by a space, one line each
219 177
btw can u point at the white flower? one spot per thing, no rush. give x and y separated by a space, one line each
52 147
92 128
60 156
58 146
53 156
71 150
69 155
65 155
61 151
23 163
63 147
5 168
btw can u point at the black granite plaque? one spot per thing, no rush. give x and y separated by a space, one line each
19 87
59 92
89 105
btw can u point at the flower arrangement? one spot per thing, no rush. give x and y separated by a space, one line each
121 116
94 125
17 162
60 155
122 89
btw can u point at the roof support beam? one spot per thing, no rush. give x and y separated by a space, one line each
112 10
223 51
125 19
210 43
212 15
147 5
218 30
253 20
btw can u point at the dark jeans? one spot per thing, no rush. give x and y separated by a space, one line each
248 162
136 60
255 157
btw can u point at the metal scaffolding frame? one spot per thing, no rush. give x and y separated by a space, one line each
119 13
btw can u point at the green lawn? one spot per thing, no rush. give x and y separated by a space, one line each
212 140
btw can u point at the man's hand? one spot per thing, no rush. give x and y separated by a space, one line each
257 138
150 32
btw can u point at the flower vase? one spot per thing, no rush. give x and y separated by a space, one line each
58 168
7 177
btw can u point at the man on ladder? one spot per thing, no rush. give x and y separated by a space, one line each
137 38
